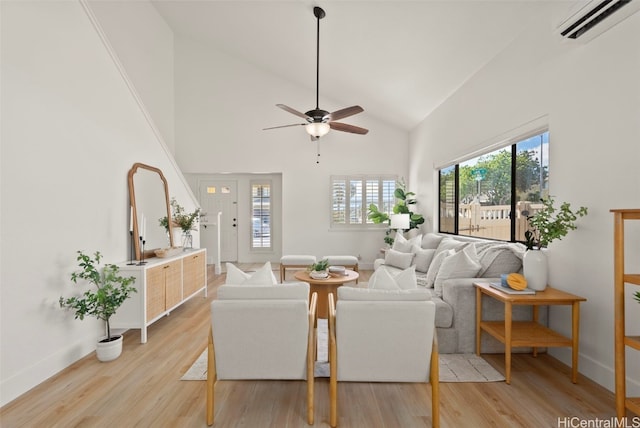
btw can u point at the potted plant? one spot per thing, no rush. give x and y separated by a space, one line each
545 226
111 290
185 221
319 269
637 296
404 201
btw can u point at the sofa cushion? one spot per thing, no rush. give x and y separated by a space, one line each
353 293
444 313
463 264
404 245
423 258
262 276
430 241
398 259
435 266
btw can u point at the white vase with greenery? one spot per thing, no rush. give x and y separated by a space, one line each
545 226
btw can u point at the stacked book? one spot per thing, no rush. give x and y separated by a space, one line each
338 270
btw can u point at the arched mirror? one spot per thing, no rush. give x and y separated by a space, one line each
149 195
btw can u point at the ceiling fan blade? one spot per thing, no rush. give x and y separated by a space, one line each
346 112
348 128
284 126
292 111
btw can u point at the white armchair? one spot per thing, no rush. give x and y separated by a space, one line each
382 336
262 332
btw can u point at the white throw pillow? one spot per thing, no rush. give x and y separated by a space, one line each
404 245
463 264
430 241
435 266
262 276
423 258
398 259
406 279
382 279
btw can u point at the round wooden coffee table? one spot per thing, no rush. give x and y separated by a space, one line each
325 286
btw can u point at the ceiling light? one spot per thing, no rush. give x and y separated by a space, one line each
317 129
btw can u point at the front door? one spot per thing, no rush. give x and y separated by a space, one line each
222 196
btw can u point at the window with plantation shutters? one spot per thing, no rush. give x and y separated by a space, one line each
352 195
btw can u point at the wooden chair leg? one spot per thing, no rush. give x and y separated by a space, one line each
333 368
435 385
311 359
211 379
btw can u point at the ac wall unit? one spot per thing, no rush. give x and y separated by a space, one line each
589 19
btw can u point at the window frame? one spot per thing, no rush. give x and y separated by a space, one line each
365 223
512 145
263 183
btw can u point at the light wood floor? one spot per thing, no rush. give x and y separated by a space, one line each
142 388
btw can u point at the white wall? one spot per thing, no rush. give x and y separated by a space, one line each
222 104
590 95
144 45
71 130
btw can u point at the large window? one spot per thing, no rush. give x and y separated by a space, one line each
491 195
261 215
352 195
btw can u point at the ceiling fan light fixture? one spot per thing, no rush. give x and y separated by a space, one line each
317 129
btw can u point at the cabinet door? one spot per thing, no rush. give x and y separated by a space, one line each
155 291
173 283
194 270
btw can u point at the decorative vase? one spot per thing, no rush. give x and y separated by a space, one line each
535 269
109 350
187 239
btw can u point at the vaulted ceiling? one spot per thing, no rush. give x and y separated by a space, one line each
397 59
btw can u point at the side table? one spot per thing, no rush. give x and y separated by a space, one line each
528 333
325 286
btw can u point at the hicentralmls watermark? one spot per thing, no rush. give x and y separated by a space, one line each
613 422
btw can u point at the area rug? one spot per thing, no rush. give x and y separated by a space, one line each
453 367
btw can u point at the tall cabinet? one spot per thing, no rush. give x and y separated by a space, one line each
163 284
622 277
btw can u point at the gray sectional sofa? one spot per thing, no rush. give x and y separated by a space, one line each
449 265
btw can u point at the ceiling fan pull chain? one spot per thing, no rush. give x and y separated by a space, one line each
318 151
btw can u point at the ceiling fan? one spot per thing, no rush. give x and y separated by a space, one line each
318 122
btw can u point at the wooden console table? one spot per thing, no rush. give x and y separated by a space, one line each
528 333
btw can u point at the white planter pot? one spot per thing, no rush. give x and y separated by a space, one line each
535 269
318 274
108 351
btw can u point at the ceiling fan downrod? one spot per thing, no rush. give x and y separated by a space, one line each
319 13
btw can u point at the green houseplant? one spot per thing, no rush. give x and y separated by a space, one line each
404 200
551 223
545 226
111 290
319 269
180 218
